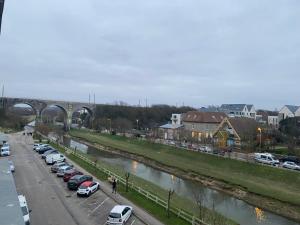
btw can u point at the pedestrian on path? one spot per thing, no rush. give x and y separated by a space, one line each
114 186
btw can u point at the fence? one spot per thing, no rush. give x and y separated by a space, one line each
177 211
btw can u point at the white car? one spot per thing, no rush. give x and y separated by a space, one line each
61 171
41 146
266 158
4 151
53 158
36 145
87 188
119 215
24 208
205 149
11 166
290 165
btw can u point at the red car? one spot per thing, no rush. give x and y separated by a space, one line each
71 173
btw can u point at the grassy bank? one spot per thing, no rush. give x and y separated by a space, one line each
209 216
275 183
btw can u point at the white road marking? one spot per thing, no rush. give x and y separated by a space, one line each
84 201
98 206
132 222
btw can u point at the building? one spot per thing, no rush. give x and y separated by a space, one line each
289 111
234 130
171 131
202 125
10 210
270 118
239 110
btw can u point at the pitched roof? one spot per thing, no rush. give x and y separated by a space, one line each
243 126
249 107
292 108
232 107
203 117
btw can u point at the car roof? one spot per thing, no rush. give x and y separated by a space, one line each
87 183
77 176
118 208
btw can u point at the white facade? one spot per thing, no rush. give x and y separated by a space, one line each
239 110
273 121
289 111
176 119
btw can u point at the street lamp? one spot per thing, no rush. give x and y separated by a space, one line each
109 125
137 124
259 130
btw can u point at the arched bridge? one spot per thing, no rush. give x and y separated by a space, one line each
39 105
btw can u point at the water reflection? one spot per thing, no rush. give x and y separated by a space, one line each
227 205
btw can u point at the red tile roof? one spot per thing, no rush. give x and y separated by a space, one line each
203 117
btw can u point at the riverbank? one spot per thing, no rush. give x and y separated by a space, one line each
213 172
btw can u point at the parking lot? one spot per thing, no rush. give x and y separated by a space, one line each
47 195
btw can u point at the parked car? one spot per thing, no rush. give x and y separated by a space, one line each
291 165
290 159
119 214
205 149
51 151
77 180
5 151
24 208
11 166
71 173
53 158
42 150
41 146
36 145
87 188
61 171
266 158
58 165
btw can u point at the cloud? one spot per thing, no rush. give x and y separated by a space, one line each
197 52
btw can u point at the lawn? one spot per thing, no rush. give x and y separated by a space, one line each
279 184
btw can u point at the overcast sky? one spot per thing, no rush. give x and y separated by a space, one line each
168 51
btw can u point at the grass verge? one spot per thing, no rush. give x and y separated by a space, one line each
267 181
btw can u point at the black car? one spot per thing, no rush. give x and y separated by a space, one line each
290 159
49 152
44 149
77 180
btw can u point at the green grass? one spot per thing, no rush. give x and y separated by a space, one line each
267 181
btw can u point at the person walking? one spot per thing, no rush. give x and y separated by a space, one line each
114 186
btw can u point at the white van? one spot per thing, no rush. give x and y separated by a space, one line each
4 151
266 158
53 158
24 208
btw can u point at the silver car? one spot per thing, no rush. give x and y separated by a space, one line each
290 165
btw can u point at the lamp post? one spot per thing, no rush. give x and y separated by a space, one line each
137 124
259 130
109 125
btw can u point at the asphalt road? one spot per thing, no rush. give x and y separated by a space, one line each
48 197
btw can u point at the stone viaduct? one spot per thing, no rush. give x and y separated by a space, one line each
39 105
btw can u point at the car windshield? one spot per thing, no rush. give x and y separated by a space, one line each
115 215
24 210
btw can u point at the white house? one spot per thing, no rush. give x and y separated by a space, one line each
239 110
289 111
176 119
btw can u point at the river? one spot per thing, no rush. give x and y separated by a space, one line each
227 205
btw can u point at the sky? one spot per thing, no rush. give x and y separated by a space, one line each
176 52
